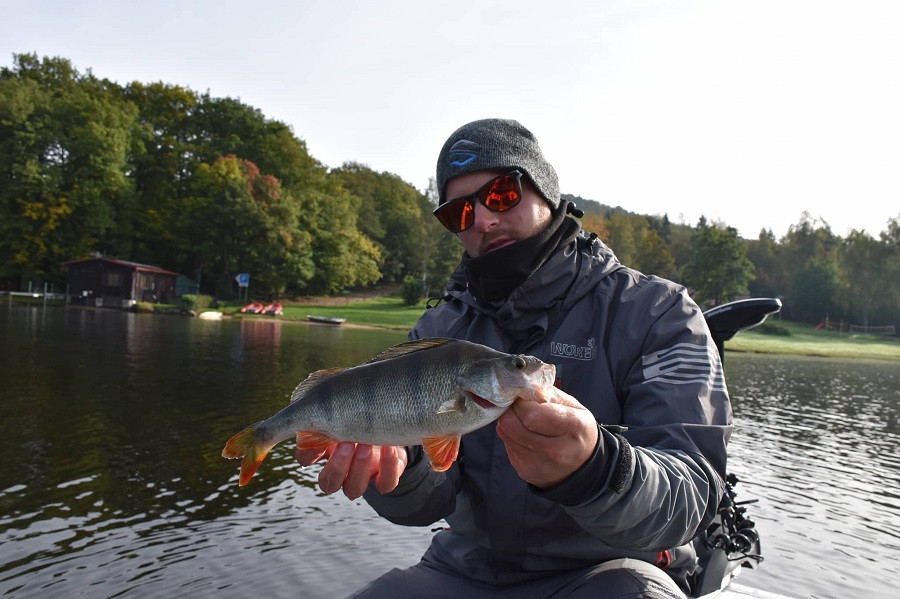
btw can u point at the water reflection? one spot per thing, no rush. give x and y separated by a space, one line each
112 425
817 443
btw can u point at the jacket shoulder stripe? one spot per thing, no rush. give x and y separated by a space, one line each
684 364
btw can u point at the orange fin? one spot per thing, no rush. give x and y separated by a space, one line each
244 445
313 440
442 451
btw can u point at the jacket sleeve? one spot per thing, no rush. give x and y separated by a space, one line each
656 480
422 496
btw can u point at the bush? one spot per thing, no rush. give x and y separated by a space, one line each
144 308
196 302
411 291
770 328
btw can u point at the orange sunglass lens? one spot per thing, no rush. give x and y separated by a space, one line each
503 194
497 195
466 216
456 215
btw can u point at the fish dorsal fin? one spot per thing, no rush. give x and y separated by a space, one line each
312 379
408 347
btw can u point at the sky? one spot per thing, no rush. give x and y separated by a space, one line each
750 113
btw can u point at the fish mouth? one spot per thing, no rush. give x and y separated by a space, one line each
484 403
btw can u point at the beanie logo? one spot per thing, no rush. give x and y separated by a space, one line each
462 152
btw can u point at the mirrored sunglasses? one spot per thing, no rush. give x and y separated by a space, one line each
497 195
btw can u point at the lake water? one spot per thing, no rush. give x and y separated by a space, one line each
112 484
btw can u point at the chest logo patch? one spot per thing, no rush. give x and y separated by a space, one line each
576 352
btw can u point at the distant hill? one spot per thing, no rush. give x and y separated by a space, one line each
589 206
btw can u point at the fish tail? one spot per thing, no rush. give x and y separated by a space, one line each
244 445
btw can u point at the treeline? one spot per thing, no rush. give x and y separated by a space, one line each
209 187
816 273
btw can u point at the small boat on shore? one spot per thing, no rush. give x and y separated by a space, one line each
252 308
273 309
210 315
325 319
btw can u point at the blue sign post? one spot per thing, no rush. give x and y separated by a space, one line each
243 281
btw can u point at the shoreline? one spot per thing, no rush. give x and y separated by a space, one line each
803 342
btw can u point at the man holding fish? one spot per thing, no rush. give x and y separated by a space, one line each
592 487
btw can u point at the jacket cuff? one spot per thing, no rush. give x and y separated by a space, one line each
608 467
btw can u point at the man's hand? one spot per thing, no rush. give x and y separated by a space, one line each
548 438
351 466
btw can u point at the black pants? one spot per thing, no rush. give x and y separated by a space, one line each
622 578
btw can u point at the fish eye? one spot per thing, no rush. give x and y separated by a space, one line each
519 363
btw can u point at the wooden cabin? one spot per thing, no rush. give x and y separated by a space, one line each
118 283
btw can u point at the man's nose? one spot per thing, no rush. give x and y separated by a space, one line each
485 219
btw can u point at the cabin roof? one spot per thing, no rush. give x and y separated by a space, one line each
136 266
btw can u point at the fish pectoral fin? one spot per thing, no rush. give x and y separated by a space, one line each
457 404
309 440
442 451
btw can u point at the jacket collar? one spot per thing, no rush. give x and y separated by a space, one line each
534 307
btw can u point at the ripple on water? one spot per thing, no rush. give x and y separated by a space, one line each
114 424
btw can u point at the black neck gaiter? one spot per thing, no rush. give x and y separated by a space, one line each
494 275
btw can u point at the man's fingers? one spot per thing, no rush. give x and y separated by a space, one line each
550 419
557 395
549 395
392 463
360 472
350 467
335 470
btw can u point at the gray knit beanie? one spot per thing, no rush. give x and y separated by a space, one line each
496 144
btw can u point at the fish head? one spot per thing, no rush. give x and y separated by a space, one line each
499 381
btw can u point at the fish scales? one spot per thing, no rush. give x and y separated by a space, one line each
382 397
382 393
428 392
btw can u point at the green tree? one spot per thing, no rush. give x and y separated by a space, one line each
719 270
807 240
241 221
63 189
804 250
390 214
163 167
765 254
442 249
890 285
621 238
863 260
814 290
679 244
343 255
652 255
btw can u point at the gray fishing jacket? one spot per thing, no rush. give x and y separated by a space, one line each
633 349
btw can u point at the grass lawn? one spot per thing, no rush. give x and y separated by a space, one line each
388 312
385 312
775 336
803 339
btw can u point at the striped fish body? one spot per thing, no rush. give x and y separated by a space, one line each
428 392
